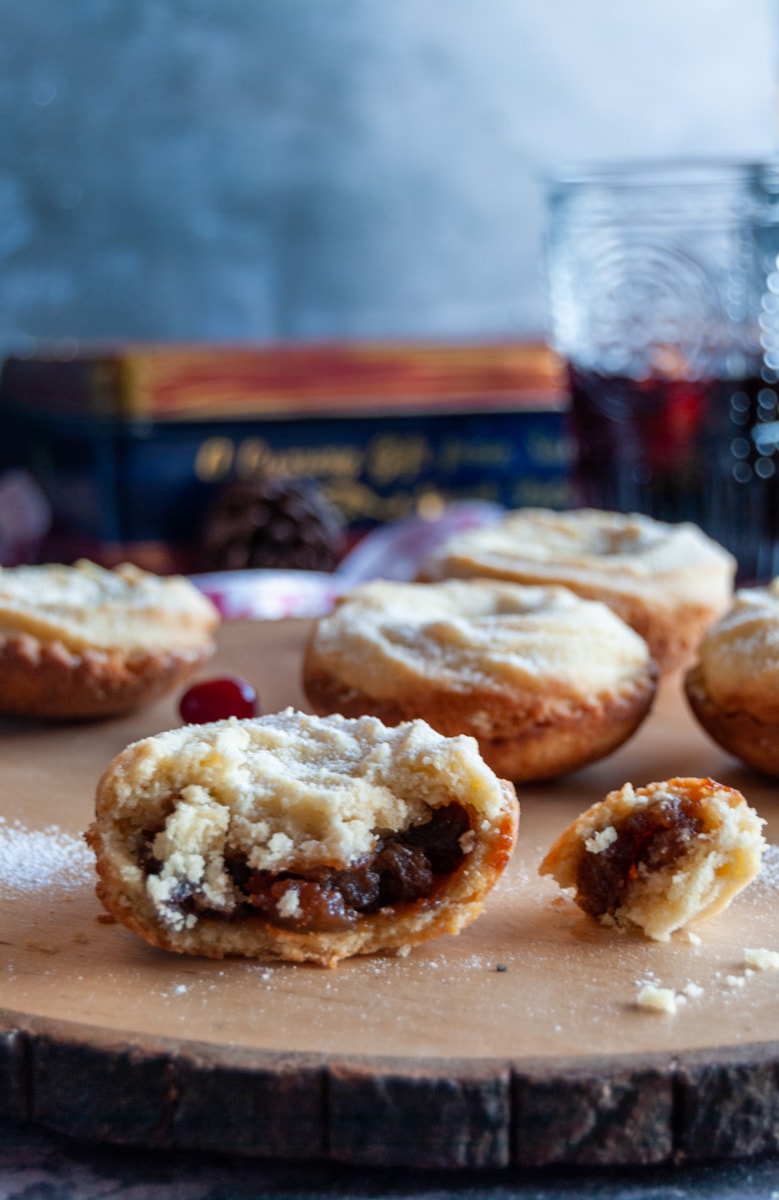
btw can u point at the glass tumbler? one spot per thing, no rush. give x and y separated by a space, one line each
663 287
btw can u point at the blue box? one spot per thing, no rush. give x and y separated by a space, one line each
132 445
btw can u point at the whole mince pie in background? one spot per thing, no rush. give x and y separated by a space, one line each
667 581
300 838
85 642
544 680
659 857
733 687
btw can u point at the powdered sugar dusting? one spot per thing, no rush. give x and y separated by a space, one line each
34 859
770 866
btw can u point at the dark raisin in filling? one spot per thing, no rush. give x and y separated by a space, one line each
403 868
147 861
318 907
652 838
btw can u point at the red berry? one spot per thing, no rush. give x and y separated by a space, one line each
216 699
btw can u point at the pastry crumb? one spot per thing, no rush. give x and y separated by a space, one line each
657 999
601 841
763 960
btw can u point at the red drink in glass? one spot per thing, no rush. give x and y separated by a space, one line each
700 450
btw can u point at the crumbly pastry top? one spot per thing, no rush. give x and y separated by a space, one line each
384 637
86 606
627 550
739 655
288 790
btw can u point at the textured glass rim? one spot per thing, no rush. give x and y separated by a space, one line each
659 172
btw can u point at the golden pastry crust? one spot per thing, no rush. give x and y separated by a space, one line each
659 857
733 688
300 838
544 680
668 582
81 641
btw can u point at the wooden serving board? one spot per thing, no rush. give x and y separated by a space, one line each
520 1041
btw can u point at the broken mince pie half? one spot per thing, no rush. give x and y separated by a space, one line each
300 838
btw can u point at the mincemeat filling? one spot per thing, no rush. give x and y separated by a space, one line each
403 868
649 839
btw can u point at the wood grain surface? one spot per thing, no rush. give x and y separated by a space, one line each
520 1041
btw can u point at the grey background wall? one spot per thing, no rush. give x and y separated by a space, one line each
307 169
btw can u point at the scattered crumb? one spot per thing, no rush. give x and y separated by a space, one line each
763 960
693 990
693 938
403 951
657 999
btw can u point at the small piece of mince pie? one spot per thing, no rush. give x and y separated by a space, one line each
656 858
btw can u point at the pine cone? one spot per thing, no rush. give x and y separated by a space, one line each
273 523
